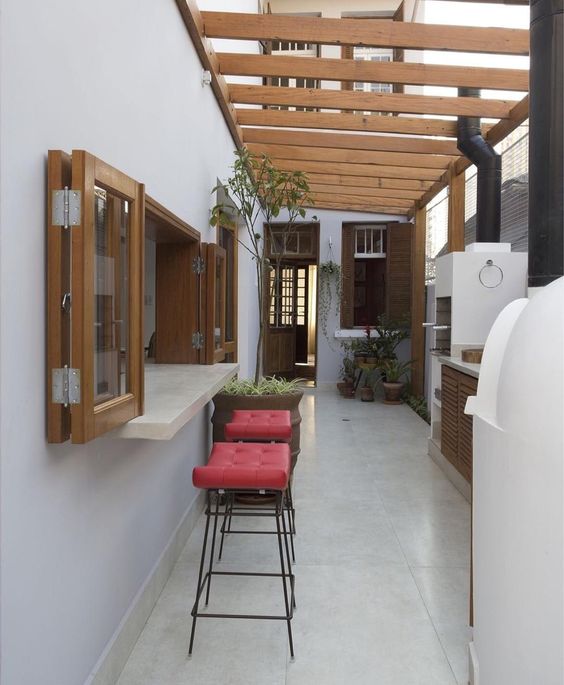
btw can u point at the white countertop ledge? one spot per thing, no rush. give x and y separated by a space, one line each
174 394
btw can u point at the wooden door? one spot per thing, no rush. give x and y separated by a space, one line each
280 330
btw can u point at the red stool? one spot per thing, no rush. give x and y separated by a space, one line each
235 468
262 425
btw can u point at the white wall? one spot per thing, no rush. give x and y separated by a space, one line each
82 526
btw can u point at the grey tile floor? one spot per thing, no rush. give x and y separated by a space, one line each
382 573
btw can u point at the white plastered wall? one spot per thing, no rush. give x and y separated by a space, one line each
82 527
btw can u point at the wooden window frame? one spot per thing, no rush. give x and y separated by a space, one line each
213 354
71 264
231 346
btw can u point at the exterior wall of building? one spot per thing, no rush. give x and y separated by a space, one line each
83 527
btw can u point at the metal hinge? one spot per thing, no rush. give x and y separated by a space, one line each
198 265
66 208
197 340
65 386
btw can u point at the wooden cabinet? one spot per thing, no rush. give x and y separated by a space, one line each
456 426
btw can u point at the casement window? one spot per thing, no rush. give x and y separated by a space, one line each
298 49
227 239
376 273
107 304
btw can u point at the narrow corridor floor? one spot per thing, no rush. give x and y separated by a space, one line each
382 572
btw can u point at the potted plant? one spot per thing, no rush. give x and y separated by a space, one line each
346 385
394 371
329 290
260 193
390 335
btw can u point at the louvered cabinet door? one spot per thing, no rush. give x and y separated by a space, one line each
467 387
449 415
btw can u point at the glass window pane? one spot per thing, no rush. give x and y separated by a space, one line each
227 241
219 304
111 295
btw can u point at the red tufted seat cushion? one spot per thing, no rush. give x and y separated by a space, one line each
259 424
245 466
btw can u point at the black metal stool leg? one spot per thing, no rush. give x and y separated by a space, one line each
279 512
198 588
228 505
216 516
287 535
291 508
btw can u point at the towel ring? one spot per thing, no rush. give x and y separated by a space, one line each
489 282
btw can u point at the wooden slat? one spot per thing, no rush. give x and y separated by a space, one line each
418 302
371 209
369 183
364 71
413 36
351 141
364 200
348 121
351 156
367 170
369 102
366 193
195 26
456 194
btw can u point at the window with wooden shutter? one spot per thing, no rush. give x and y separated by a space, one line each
398 271
95 276
215 303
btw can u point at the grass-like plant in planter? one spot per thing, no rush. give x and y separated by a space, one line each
261 193
394 371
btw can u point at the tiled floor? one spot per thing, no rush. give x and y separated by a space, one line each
381 581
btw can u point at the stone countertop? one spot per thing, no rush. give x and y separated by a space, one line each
465 367
174 394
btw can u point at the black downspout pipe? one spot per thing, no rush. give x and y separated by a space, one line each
488 162
546 250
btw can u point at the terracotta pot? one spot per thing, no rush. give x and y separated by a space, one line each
367 394
348 392
371 360
225 404
393 392
360 359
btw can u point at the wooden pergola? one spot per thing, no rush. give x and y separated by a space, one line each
355 161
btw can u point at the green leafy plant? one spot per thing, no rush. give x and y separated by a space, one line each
419 406
265 386
394 370
329 291
260 192
390 333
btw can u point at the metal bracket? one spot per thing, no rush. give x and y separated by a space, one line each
66 303
65 386
198 265
66 208
197 340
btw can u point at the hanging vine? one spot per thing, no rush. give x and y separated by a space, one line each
329 293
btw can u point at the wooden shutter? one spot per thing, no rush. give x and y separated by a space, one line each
347 275
215 277
398 270
467 387
449 414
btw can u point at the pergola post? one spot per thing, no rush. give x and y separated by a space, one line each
456 195
418 301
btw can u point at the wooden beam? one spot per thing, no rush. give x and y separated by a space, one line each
366 170
496 134
364 71
193 21
384 34
456 194
351 141
348 121
418 302
369 183
351 156
324 98
371 209
363 200
365 192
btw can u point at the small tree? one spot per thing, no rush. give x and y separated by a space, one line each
260 192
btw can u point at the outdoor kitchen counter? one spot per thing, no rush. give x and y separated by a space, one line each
464 367
174 394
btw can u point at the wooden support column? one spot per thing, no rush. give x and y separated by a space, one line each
418 302
456 191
